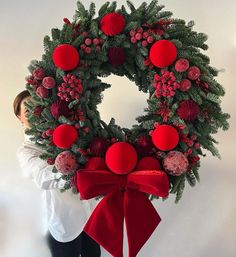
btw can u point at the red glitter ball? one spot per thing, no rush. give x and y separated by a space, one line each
175 163
66 162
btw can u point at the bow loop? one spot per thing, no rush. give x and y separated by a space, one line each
124 198
153 182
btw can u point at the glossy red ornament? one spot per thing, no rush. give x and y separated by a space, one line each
64 136
165 137
148 163
121 157
66 57
163 53
112 24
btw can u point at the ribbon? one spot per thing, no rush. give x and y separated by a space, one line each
125 198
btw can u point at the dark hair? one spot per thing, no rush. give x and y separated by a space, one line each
18 99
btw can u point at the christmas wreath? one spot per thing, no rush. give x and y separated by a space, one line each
163 56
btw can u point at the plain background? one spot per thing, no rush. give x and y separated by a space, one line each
203 223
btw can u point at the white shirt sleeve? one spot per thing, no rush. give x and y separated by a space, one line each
37 169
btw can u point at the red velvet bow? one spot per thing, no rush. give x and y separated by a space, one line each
125 198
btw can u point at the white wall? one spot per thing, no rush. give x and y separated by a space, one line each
203 223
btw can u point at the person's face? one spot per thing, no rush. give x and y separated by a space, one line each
23 113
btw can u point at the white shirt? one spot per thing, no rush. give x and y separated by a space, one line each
64 213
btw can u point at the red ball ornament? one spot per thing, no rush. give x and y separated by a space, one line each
96 163
185 85
42 92
116 56
148 163
121 157
175 163
165 137
65 57
64 136
188 110
66 162
38 73
194 73
48 82
163 53
182 65
112 24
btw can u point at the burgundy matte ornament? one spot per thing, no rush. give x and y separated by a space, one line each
98 146
116 56
188 110
66 162
175 163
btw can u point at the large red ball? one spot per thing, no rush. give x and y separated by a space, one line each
112 24
165 137
163 53
148 163
96 163
65 57
121 157
64 136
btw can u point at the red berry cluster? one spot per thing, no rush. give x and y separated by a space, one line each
140 35
202 84
88 43
165 84
71 88
191 142
193 160
78 115
51 161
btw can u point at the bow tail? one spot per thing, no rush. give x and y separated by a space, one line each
106 223
141 219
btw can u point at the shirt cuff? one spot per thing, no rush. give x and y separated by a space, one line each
61 183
